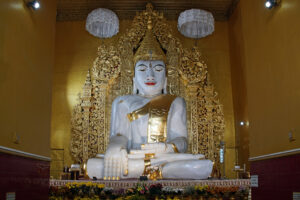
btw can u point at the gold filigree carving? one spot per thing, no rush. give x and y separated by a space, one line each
192 68
107 64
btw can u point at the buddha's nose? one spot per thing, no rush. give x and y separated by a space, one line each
150 75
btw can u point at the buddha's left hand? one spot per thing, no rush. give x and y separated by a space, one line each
158 147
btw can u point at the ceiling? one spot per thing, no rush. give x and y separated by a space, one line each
74 10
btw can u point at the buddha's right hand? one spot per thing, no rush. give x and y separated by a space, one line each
115 163
158 147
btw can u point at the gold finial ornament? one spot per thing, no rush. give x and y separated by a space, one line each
150 48
149 7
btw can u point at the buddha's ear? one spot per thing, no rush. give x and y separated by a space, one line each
165 86
134 90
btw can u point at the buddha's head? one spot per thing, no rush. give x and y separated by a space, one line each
150 69
150 77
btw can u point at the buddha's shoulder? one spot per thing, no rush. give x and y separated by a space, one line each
127 99
179 99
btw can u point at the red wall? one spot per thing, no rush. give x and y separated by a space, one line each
278 178
28 178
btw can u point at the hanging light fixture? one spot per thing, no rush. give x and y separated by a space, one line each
196 23
102 23
34 4
272 3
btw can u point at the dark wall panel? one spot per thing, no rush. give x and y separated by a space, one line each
278 178
28 178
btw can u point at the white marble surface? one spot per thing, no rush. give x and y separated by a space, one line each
95 167
188 169
179 166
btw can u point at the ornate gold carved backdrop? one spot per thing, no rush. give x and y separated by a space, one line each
111 76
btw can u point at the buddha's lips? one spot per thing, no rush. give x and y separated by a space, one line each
150 83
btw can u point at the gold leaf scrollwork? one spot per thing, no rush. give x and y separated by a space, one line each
192 68
107 64
76 129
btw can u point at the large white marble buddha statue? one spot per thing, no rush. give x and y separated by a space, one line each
148 134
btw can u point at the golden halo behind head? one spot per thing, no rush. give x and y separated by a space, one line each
149 48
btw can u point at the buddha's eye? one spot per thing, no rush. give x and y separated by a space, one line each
142 68
158 68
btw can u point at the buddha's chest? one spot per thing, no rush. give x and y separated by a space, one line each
150 117
136 103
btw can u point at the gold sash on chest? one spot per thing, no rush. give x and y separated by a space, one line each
158 109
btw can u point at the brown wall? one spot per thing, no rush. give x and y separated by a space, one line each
239 89
75 52
266 54
26 62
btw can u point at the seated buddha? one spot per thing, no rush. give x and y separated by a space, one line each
148 134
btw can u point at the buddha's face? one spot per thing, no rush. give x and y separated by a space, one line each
150 77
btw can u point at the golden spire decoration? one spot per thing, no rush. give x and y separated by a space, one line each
149 48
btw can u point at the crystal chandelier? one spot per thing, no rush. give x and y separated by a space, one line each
195 23
102 23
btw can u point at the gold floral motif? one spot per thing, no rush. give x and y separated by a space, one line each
192 68
107 64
